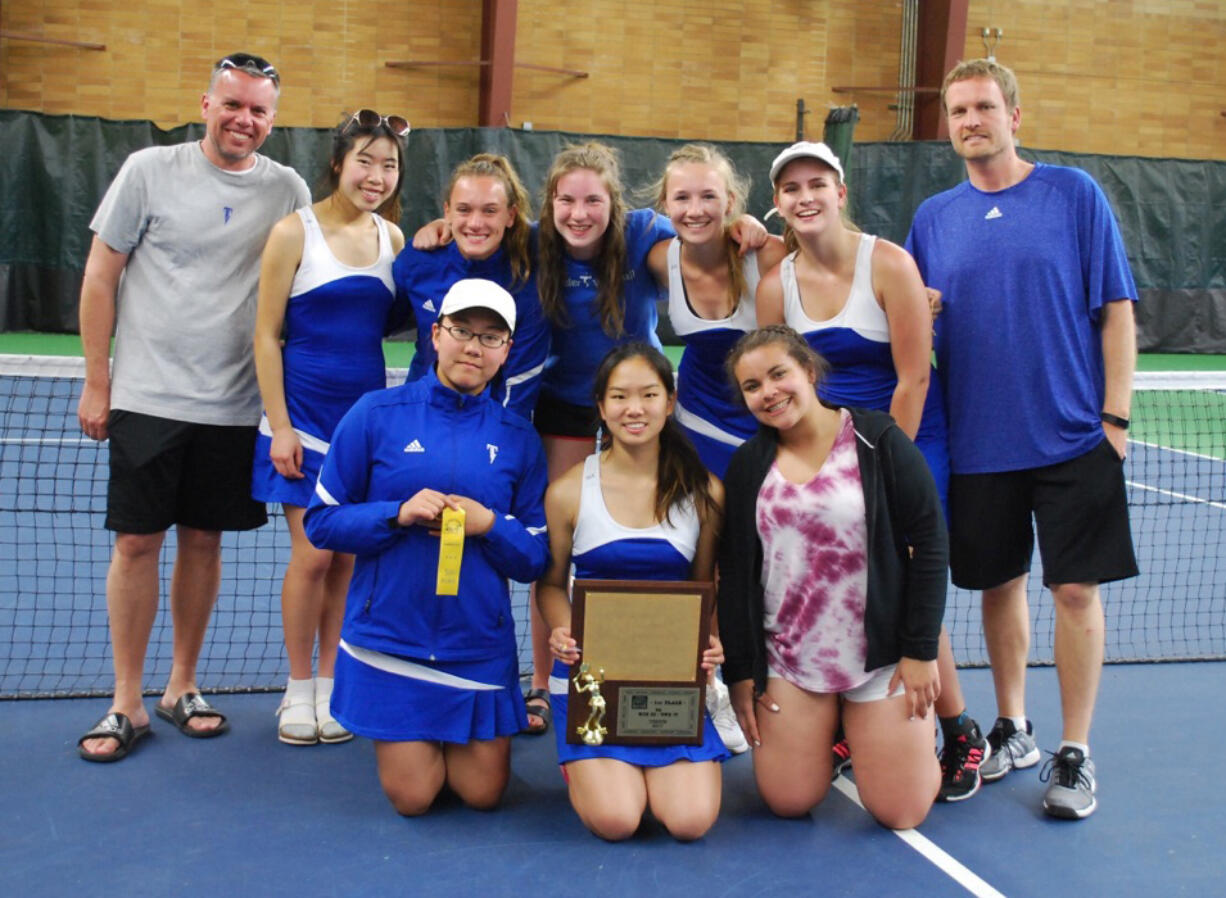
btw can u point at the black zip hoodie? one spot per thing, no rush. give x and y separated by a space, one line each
908 550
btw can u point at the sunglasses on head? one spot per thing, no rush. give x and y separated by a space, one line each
369 120
253 65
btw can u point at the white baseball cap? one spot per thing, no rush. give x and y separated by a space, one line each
477 293
806 149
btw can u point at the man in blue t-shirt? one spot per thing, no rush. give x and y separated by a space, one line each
1036 346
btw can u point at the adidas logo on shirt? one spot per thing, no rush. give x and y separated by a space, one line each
415 446
993 213
428 305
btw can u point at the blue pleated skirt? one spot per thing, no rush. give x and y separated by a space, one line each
394 699
269 486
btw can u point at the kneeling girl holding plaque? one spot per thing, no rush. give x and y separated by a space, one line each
643 508
437 489
832 589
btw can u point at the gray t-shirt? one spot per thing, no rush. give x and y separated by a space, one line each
187 298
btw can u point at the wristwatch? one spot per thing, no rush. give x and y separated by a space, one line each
1115 420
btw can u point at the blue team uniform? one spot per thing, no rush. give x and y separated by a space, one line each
856 343
415 665
603 549
714 420
580 344
1024 273
334 324
424 277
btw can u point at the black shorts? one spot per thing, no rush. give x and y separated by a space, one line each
554 418
166 472
1080 508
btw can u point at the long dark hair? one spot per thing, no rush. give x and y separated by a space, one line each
352 134
680 473
609 263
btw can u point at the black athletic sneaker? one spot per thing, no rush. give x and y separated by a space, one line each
840 755
960 760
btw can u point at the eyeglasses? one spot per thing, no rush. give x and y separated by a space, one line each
369 120
463 335
253 65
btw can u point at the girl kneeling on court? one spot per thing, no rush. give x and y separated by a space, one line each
642 508
430 672
832 589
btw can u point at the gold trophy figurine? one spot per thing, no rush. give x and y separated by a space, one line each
592 730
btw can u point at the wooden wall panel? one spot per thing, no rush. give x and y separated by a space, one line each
158 55
1138 77
1144 77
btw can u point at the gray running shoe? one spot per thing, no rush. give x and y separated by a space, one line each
1012 749
1071 792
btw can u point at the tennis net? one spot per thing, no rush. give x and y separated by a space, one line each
54 551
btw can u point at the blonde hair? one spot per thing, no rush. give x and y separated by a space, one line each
515 240
610 262
790 243
737 187
984 68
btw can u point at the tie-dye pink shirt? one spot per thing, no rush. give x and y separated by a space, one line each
814 571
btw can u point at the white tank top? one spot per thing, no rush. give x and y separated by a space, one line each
683 318
861 313
320 266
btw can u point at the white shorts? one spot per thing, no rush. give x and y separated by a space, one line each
874 689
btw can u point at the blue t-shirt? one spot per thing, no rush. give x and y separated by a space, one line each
424 277
1024 273
578 347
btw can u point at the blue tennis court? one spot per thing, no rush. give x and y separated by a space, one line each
244 814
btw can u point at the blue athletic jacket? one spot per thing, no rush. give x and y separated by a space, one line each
393 443
424 277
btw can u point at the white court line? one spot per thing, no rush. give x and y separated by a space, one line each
934 854
1173 449
1185 497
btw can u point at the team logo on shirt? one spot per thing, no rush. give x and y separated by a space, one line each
415 446
994 212
493 450
227 211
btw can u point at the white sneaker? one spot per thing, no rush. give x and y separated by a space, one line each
719 706
329 728
296 714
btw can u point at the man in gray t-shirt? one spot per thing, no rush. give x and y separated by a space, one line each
173 271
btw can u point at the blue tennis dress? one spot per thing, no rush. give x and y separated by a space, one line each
603 549
714 420
856 343
334 324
